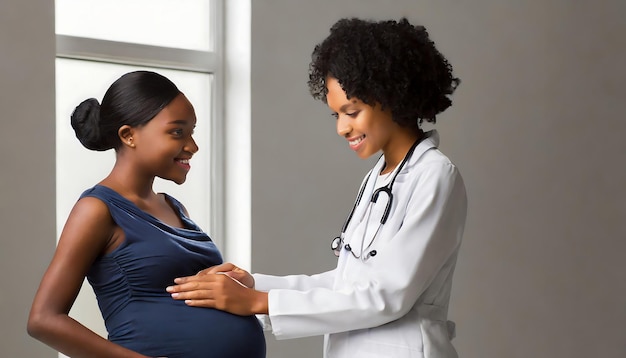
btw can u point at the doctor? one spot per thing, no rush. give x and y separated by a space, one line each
389 294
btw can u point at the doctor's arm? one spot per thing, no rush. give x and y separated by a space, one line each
258 281
230 288
389 284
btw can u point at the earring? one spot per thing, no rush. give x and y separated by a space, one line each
130 143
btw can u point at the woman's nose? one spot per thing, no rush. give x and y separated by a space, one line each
191 146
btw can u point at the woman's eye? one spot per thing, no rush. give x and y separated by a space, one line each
352 114
335 115
177 132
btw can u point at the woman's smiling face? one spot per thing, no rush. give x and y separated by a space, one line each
165 144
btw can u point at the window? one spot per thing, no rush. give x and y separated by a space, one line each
179 39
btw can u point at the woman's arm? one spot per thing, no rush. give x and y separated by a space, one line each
87 232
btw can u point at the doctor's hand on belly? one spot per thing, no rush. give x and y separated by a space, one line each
225 287
240 275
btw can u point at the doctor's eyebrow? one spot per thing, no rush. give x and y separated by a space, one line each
345 107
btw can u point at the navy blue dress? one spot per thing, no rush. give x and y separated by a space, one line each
130 283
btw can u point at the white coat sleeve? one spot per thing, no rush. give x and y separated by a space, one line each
430 234
265 283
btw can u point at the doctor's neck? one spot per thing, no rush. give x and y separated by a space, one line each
396 149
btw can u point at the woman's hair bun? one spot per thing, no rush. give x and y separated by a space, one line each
85 121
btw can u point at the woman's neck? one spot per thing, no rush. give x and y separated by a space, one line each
126 181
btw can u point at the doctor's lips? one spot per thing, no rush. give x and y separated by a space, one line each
355 141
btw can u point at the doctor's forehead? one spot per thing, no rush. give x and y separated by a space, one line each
336 97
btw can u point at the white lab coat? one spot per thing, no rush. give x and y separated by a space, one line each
394 304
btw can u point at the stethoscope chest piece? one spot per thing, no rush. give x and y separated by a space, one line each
337 244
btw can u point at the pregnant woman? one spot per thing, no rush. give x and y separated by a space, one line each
131 242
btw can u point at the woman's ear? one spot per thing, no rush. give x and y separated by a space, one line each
126 135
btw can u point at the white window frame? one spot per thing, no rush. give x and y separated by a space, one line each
208 62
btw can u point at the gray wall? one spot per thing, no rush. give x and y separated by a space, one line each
536 128
27 177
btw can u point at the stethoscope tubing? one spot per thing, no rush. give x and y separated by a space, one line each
387 189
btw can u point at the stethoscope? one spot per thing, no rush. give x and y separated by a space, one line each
337 243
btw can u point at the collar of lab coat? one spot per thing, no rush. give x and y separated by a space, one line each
431 140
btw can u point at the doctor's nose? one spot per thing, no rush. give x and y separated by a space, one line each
343 126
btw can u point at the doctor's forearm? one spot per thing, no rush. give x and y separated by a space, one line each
259 304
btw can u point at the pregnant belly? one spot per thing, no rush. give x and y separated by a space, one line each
172 329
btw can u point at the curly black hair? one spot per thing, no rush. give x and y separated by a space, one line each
392 63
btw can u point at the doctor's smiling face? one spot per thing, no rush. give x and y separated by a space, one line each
368 129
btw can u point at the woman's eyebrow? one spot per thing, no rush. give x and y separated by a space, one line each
179 121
